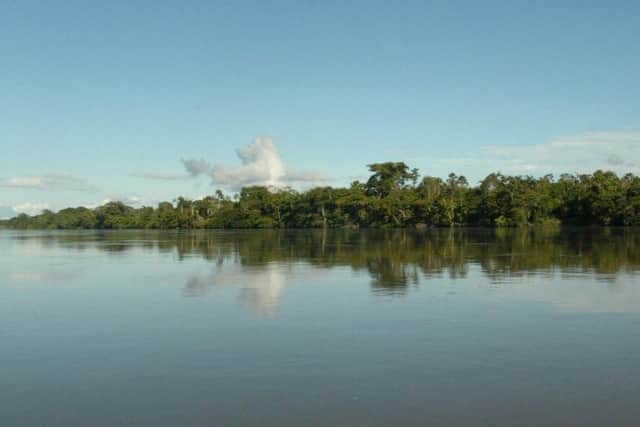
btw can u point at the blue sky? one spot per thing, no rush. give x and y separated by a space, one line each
104 100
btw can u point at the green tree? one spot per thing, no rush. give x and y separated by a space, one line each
389 176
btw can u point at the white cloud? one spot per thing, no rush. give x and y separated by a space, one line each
160 176
196 167
30 208
261 165
130 200
616 151
48 182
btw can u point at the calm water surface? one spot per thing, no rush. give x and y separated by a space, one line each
340 328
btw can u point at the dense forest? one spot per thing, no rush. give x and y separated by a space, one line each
393 196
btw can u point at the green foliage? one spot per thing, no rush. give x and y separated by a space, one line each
392 197
389 176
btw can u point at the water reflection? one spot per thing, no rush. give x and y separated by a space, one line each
261 263
393 257
445 319
260 288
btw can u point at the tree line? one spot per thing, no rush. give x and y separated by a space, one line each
393 196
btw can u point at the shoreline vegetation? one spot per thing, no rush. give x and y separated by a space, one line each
394 196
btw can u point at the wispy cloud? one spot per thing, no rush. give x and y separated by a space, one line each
30 208
616 151
48 182
161 176
261 164
196 167
134 201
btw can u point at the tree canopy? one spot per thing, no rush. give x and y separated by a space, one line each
393 196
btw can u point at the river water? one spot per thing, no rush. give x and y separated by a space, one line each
337 328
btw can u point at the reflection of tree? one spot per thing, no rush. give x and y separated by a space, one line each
393 258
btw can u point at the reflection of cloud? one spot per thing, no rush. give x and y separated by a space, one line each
41 274
261 165
261 288
574 293
265 290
